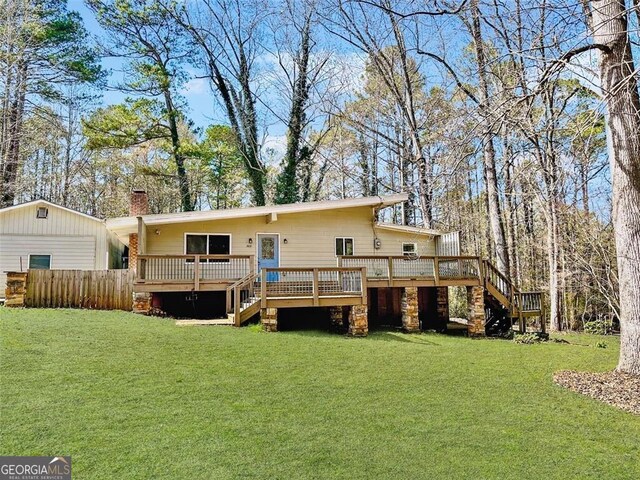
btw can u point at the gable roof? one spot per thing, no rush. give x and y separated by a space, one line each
130 224
41 202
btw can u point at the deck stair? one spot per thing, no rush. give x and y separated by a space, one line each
243 299
506 304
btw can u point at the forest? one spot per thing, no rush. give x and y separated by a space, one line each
515 123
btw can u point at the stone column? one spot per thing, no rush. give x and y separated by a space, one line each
358 321
442 306
475 302
269 319
142 302
16 289
336 319
409 305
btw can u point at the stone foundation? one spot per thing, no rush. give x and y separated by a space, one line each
269 319
442 305
336 319
142 302
475 302
409 305
358 321
16 289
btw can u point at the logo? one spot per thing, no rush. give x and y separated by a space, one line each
35 468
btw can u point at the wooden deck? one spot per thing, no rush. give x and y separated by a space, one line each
346 284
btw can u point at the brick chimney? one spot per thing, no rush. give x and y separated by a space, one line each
138 206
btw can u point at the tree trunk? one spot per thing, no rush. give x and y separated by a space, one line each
488 149
183 181
620 90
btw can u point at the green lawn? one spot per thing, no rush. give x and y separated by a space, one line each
135 397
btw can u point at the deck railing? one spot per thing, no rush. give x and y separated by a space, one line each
314 283
418 268
193 268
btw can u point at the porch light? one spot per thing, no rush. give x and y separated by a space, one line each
286 241
250 241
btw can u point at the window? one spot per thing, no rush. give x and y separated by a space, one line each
42 212
344 246
40 262
205 244
409 249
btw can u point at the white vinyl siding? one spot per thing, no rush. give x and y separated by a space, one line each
74 241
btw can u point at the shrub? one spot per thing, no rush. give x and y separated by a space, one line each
528 338
599 326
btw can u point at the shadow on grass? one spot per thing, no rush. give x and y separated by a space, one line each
376 335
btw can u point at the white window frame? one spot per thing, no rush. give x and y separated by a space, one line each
353 243
415 248
41 254
207 234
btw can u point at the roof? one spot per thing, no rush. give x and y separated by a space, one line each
130 224
408 229
49 204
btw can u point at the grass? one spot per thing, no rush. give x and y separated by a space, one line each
135 397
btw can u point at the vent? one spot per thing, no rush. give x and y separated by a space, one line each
43 212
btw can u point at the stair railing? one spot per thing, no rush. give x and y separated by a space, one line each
242 290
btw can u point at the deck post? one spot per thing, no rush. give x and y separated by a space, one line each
316 288
336 319
409 305
263 288
390 270
196 273
363 286
475 302
436 271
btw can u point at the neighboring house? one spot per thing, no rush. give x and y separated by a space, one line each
43 235
331 254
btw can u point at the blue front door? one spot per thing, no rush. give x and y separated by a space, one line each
268 254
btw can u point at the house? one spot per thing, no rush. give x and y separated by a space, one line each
43 235
334 257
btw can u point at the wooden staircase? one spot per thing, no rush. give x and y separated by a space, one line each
243 299
504 302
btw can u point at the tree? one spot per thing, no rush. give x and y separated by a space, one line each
144 34
609 24
45 47
225 34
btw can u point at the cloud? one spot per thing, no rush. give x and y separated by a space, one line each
195 86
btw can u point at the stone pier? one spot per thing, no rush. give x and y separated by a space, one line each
409 305
142 302
358 321
269 319
475 302
442 306
16 289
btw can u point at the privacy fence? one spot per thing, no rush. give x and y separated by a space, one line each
97 289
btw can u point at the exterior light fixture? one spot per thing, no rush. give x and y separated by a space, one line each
285 241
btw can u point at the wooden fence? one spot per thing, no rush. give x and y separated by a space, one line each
97 289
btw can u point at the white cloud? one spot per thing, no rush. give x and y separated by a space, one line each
195 86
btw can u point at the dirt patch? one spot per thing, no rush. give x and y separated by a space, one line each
617 389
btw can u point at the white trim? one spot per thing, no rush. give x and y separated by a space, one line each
184 242
45 202
408 229
41 254
258 245
353 245
415 247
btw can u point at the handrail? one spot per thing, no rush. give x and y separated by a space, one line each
233 286
190 256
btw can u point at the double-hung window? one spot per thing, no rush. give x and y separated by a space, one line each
344 246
